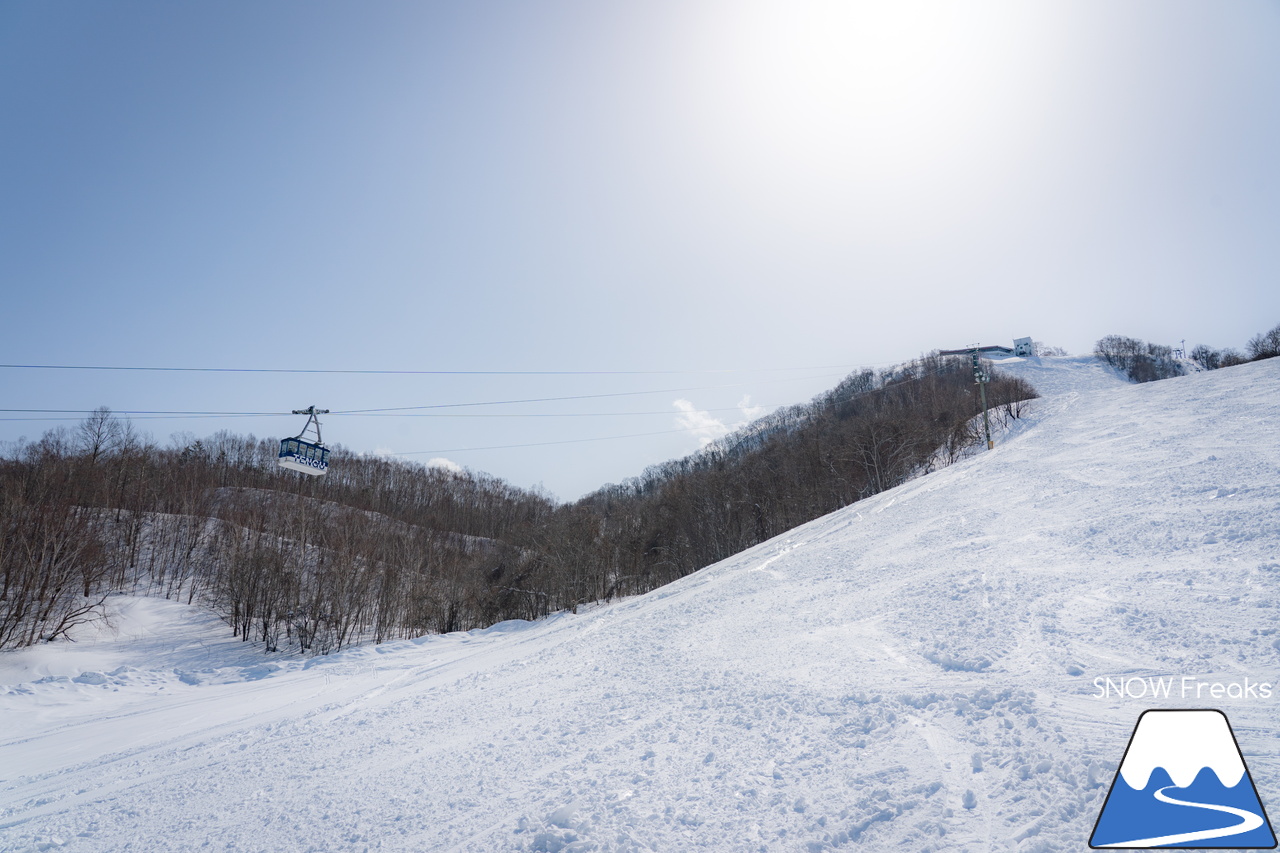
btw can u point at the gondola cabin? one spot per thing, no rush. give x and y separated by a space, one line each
299 454
303 456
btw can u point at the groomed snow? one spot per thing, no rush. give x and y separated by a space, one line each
914 672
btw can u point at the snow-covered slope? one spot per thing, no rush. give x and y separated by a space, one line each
1065 375
914 672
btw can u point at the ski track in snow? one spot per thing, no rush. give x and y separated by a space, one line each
912 672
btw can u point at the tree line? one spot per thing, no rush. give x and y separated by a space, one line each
1146 362
1260 346
377 549
870 433
382 548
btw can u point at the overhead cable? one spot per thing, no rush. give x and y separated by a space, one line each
418 372
542 443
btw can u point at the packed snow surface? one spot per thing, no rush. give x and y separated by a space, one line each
954 665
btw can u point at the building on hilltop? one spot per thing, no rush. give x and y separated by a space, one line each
1022 348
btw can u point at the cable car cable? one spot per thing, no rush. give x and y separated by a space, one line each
421 372
394 409
556 399
541 443
181 416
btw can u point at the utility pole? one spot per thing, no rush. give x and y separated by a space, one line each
981 377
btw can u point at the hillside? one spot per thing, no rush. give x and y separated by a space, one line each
382 549
915 671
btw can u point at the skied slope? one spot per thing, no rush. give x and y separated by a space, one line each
1056 376
915 671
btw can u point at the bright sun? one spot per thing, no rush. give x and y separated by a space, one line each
870 92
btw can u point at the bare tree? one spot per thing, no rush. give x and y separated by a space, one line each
1265 345
99 434
1207 357
51 556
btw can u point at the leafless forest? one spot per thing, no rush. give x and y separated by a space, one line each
381 549
1146 362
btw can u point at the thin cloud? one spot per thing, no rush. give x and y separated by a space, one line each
703 426
750 412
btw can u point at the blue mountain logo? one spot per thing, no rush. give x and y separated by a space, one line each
1183 783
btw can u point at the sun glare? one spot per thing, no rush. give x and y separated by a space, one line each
821 91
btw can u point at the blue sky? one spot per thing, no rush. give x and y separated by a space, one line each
746 187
